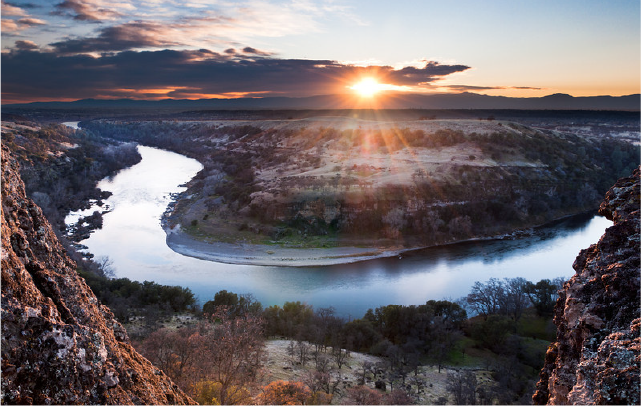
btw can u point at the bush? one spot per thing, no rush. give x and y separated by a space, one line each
135 295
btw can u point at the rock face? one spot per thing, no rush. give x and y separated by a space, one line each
59 344
597 354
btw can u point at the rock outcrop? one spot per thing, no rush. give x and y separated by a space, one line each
596 357
59 344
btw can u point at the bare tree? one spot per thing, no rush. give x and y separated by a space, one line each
487 298
362 395
398 397
106 265
365 369
463 386
340 356
234 353
299 351
516 297
175 352
225 354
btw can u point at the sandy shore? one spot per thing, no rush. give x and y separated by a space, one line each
268 255
273 255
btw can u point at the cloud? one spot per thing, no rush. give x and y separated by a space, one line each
12 10
465 88
9 26
268 19
14 26
204 31
93 10
192 24
246 51
186 32
46 75
21 5
411 75
26 45
203 23
159 24
250 50
118 38
31 21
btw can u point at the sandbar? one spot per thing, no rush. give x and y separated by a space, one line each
271 255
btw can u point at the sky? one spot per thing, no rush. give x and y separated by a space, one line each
189 49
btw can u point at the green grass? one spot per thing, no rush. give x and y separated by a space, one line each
465 354
207 230
533 326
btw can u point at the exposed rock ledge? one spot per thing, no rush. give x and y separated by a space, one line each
597 354
59 344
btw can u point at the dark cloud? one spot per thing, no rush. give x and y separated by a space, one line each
48 75
149 34
26 45
22 5
254 51
116 38
465 88
431 71
84 10
31 21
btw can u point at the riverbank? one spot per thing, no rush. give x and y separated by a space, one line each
244 253
133 239
270 255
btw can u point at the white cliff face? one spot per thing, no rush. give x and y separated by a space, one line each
598 351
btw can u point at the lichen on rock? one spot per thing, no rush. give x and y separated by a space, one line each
597 355
59 344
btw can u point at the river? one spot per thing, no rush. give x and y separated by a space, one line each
132 237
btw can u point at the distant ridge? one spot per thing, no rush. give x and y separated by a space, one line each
556 101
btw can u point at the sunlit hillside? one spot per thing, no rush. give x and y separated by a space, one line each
343 181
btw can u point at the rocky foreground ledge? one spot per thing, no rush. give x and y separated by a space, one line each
59 344
596 357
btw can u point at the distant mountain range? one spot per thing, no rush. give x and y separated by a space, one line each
556 101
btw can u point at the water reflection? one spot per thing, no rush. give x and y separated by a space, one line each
133 238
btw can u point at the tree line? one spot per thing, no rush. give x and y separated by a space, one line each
507 334
61 166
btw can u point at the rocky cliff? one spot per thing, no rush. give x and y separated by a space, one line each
59 344
597 354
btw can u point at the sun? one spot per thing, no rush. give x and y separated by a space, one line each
367 87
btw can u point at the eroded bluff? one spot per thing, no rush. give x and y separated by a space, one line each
59 344
596 357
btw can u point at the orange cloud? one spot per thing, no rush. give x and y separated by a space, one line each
10 10
10 26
